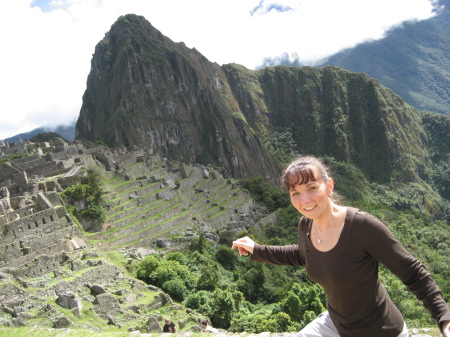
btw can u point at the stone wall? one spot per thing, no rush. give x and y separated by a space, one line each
42 264
46 169
34 227
7 172
23 260
64 153
28 162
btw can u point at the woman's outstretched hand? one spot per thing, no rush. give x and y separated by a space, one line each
244 245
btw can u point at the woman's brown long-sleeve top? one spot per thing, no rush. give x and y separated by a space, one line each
358 303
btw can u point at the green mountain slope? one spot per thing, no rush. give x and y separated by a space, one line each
412 60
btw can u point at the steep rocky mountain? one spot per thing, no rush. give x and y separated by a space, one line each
145 89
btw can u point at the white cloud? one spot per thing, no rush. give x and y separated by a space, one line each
47 50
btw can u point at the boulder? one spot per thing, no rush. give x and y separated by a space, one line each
106 305
62 322
152 325
69 300
97 289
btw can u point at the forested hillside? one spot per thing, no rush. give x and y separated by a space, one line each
412 60
259 297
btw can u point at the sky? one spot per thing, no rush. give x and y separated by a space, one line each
47 45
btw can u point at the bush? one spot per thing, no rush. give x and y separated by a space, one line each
226 257
176 289
209 277
199 244
90 193
223 308
177 256
265 194
279 322
200 301
147 267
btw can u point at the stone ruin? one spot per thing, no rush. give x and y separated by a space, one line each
41 245
46 263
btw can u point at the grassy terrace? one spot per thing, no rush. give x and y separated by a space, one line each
162 232
142 196
138 210
137 222
153 216
149 207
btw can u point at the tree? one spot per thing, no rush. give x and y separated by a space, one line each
293 306
170 270
226 257
201 301
177 256
223 308
280 322
176 289
147 267
87 195
199 244
209 277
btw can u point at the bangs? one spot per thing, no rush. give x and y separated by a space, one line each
297 176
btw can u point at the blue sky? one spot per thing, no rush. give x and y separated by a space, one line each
48 44
44 5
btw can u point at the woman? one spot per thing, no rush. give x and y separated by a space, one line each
341 248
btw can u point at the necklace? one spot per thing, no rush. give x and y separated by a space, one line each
319 239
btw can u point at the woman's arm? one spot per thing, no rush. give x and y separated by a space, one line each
381 244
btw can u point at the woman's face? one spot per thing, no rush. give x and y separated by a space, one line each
313 198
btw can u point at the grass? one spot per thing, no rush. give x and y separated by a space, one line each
117 259
43 332
112 332
140 221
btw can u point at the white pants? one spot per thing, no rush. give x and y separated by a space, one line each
322 326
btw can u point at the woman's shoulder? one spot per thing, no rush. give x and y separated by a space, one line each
363 220
304 223
358 214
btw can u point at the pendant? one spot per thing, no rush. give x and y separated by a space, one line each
319 240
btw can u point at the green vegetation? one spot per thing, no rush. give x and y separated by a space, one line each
86 197
12 157
42 332
412 60
257 297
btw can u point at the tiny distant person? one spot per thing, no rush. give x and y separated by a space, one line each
341 248
169 326
206 327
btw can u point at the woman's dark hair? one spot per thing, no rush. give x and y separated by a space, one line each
302 170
